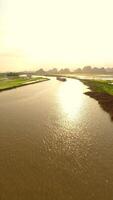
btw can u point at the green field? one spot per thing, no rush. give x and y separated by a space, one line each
101 86
6 84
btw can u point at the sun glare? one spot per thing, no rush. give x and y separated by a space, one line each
70 98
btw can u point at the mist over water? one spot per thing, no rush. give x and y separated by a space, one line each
55 144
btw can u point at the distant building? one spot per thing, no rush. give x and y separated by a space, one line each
23 76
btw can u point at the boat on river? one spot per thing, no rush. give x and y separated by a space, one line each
59 78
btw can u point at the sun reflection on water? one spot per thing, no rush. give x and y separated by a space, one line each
70 98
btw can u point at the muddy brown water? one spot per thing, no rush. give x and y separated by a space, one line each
55 144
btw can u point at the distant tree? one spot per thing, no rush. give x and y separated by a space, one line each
40 72
87 69
78 70
29 74
52 71
95 70
109 70
64 71
12 74
99 70
102 70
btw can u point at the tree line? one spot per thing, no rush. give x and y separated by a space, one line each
53 71
84 70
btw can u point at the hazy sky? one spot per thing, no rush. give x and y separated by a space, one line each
55 32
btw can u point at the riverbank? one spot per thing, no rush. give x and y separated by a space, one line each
102 91
8 84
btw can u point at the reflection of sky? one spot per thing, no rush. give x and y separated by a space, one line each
70 98
100 77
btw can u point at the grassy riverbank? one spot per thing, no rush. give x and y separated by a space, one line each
100 86
12 83
102 91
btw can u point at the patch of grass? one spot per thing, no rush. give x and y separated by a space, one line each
101 86
17 82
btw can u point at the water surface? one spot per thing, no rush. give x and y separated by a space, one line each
55 144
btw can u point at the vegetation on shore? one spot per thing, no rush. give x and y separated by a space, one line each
14 82
102 91
101 86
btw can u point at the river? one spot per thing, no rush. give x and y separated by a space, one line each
55 144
